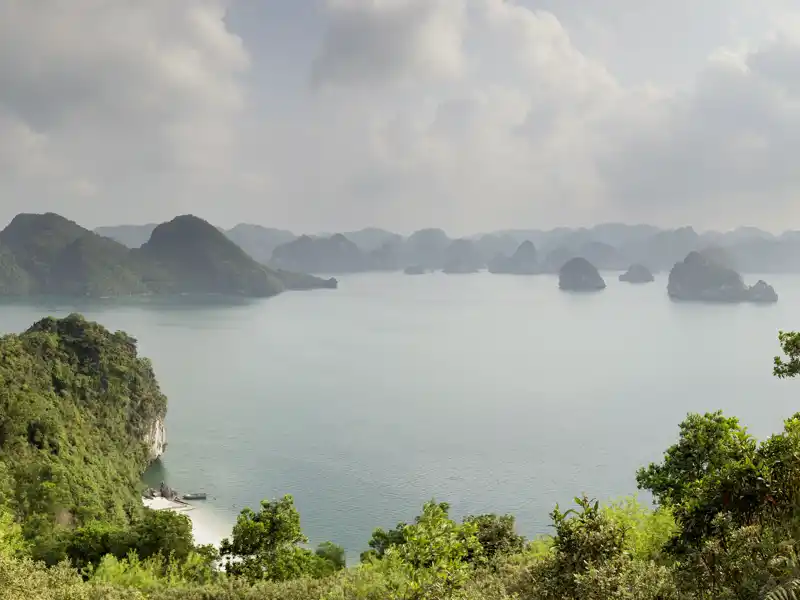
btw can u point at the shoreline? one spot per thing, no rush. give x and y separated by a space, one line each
206 527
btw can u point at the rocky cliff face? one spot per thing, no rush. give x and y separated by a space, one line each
156 439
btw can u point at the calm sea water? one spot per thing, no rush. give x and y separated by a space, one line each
495 393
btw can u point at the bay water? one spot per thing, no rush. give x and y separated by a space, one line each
493 393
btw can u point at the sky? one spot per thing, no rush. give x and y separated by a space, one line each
470 115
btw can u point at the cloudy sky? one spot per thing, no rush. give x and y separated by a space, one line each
465 114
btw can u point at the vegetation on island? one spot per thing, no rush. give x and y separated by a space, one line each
46 254
75 405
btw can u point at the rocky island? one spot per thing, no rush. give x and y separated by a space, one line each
637 273
699 278
524 261
46 254
579 275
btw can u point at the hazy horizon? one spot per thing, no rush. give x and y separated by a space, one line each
517 229
467 115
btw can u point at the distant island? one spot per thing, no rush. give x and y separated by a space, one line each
462 257
579 275
637 273
334 254
47 254
608 246
699 278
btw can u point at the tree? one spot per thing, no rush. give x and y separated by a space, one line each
496 535
790 344
266 545
382 540
714 469
433 557
332 553
163 532
706 444
588 560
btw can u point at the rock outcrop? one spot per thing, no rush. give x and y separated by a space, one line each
637 273
762 292
698 278
156 439
579 275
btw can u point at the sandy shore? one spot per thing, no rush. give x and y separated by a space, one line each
207 527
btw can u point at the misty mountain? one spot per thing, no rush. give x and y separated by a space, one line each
56 256
47 254
557 258
603 256
258 241
372 239
426 248
334 254
524 261
461 257
189 255
608 246
492 245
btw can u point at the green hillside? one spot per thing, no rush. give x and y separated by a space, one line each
77 406
47 254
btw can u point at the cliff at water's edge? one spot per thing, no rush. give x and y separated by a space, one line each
156 439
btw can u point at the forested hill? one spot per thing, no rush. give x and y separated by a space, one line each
46 254
80 416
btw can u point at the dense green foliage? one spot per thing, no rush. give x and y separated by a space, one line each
725 526
76 405
50 255
266 546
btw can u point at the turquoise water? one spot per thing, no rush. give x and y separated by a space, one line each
495 393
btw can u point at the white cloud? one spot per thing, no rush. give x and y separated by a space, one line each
724 154
467 114
103 93
390 40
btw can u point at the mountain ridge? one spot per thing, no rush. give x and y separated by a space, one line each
48 254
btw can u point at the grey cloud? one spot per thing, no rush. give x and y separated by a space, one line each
725 151
103 94
378 42
464 114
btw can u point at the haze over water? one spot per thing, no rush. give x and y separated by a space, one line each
494 393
